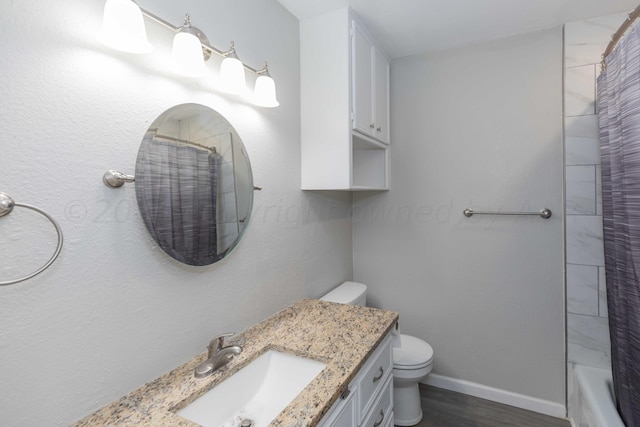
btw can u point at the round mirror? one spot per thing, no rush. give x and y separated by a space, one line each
194 184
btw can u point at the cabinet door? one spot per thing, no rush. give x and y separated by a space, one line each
381 96
342 414
362 82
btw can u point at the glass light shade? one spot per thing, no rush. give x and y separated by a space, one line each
123 27
187 55
232 75
265 92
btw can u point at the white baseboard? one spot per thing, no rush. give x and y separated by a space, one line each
497 395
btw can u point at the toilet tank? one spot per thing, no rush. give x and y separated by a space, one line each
348 293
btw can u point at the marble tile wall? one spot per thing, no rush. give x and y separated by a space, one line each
587 324
227 218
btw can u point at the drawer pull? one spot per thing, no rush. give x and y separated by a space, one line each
345 393
377 378
377 423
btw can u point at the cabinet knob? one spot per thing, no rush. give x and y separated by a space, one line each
372 125
379 129
377 423
345 393
377 377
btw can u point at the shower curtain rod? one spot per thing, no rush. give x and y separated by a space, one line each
186 141
618 35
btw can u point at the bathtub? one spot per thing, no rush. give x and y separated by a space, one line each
592 401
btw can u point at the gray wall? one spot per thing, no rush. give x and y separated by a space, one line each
480 127
114 311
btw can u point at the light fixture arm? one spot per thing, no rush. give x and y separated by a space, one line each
205 43
187 20
253 70
159 20
231 52
264 71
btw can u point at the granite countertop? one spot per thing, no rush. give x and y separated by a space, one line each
342 336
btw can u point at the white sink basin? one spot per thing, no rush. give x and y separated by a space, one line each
258 392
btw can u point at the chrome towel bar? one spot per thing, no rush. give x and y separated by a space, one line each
6 206
544 213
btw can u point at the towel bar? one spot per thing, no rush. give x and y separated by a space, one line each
544 213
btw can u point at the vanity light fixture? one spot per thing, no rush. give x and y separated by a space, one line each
187 56
232 72
123 29
265 90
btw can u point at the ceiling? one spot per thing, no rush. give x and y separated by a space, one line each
408 27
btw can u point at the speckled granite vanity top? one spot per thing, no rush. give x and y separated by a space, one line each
340 335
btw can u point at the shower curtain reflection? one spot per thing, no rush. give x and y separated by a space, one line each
181 184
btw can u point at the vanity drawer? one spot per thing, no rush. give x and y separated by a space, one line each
382 412
376 372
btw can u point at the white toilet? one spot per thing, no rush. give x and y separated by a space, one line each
412 360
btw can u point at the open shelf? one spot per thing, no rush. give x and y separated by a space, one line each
370 165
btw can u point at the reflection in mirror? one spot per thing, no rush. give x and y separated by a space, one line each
194 184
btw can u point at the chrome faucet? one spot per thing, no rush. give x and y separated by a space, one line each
218 356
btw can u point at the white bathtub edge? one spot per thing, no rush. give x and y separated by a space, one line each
498 395
593 385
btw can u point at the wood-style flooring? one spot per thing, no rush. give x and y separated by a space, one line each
444 408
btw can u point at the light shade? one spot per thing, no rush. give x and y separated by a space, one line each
265 91
123 27
187 55
232 75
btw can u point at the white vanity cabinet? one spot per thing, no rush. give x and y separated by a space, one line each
344 105
369 401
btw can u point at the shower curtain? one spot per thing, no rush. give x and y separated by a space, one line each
619 122
180 184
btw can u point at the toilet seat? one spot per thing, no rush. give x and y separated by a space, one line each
412 354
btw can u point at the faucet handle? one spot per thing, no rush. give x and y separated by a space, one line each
217 343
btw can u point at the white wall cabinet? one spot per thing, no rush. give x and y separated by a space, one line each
370 399
344 105
370 83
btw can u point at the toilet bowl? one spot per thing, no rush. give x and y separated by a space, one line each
412 360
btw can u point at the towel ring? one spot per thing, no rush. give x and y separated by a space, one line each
6 206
